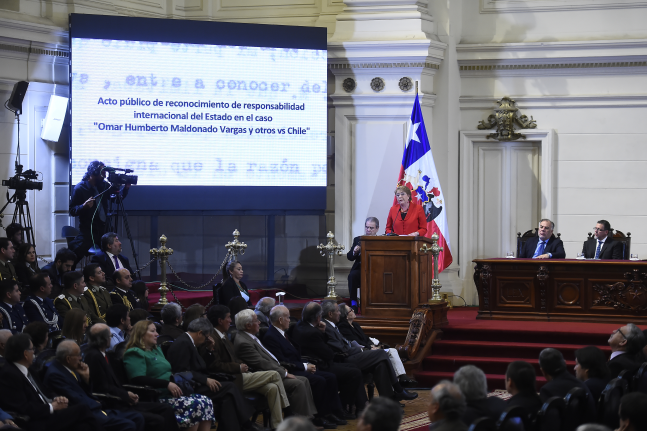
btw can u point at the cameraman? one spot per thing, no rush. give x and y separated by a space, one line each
92 219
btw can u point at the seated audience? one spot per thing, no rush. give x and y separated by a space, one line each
558 380
95 292
118 320
63 262
446 407
157 416
171 320
232 286
141 293
21 393
193 311
323 384
520 382
473 384
38 306
183 356
296 423
591 368
236 305
146 365
6 421
72 298
262 310
353 332
14 233
223 359
633 412
7 253
381 414
13 315
122 293
625 342
5 334
76 322
25 264
39 333
137 314
110 258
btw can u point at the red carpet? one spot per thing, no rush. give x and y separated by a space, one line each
491 345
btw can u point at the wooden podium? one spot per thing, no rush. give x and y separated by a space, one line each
396 276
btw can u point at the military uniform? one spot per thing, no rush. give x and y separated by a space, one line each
42 310
7 271
99 299
14 317
127 298
65 302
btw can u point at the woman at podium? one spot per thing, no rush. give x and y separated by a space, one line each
405 217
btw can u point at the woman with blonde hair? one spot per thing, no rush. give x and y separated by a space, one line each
75 324
146 365
406 217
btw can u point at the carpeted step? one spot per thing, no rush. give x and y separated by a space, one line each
521 334
495 381
520 350
489 365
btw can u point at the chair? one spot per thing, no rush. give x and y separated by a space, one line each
576 408
549 417
640 379
116 361
70 232
622 238
628 376
513 418
610 402
521 239
483 424
165 346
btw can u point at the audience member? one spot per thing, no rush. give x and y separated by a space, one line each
95 293
122 293
593 427
171 320
633 412
375 362
232 286
21 393
520 382
6 421
322 383
591 368
558 380
13 315
157 416
76 322
39 333
25 264
262 310
72 298
625 342
38 306
236 305
381 414
14 233
146 365
446 408
473 384
7 252
309 335
296 423
63 262
223 359
193 311
138 314
183 356
5 334
110 258
250 350
118 320
140 290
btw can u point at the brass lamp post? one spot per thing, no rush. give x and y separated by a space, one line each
162 253
235 247
331 249
435 283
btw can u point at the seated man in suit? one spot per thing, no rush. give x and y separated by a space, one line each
473 384
171 320
157 416
602 245
69 375
13 315
381 414
95 292
7 251
446 407
72 297
122 294
371 226
250 350
38 307
633 412
183 356
118 320
520 382
558 380
63 262
543 246
110 258
591 368
223 359
372 361
262 310
323 384
625 342
21 393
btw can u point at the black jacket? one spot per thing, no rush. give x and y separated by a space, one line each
531 403
102 377
81 193
621 362
18 395
56 278
355 258
561 384
312 342
108 266
354 332
184 356
490 407
610 249
229 290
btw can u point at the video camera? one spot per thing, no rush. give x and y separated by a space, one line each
120 179
23 181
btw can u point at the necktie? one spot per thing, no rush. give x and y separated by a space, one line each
116 262
40 393
540 249
597 250
342 337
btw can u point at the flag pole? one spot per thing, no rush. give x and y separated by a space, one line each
416 88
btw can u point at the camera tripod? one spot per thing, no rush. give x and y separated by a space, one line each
115 210
21 214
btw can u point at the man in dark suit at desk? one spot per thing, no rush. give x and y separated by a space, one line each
110 258
602 245
371 226
543 246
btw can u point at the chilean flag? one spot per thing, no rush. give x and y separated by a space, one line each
418 172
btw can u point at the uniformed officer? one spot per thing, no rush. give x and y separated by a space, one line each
7 271
14 317
122 294
72 297
95 293
38 306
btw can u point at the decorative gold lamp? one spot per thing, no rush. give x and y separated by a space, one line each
435 283
162 254
235 247
330 249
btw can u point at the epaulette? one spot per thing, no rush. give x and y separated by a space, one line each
61 296
85 289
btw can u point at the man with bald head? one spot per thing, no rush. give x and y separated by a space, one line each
122 294
446 406
157 416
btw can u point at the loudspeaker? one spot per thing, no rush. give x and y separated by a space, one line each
17 95
53 122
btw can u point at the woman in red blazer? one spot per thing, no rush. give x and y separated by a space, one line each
405 217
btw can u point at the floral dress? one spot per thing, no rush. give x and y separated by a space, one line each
189 410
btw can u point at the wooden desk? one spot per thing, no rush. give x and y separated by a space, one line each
562 290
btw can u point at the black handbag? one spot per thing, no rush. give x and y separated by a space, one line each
184 381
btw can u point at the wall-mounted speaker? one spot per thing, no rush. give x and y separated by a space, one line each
17 96
53 122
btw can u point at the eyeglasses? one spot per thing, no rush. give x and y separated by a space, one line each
620 332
